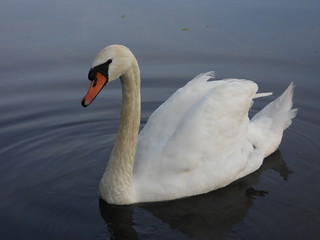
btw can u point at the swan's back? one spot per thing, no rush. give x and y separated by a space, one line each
199 136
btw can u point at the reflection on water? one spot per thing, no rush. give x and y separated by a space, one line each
208 216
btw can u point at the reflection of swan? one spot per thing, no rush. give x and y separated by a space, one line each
207 216
199 140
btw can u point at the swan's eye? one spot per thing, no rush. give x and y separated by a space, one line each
91 75
102 68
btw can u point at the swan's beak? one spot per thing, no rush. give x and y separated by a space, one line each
95 87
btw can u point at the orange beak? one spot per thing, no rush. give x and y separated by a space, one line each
95 87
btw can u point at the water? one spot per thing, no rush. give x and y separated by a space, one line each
53 152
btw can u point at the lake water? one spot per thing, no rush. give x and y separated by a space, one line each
53 152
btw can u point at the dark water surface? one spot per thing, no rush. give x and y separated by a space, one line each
53 152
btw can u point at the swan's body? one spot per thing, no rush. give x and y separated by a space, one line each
199 140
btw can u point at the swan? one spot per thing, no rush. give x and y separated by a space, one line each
198 140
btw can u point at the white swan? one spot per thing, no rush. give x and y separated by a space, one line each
199 140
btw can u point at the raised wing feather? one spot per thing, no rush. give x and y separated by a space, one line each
201 131
164 121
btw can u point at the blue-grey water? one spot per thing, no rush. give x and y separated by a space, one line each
53 152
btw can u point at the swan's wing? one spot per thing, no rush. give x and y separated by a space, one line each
213 129
163 122
200 141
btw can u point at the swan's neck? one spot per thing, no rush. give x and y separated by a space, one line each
116 183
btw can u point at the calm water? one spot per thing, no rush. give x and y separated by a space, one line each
53 152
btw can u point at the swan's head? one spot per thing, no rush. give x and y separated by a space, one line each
110 63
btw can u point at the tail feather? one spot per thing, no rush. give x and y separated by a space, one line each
280 111
258 95
266 128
